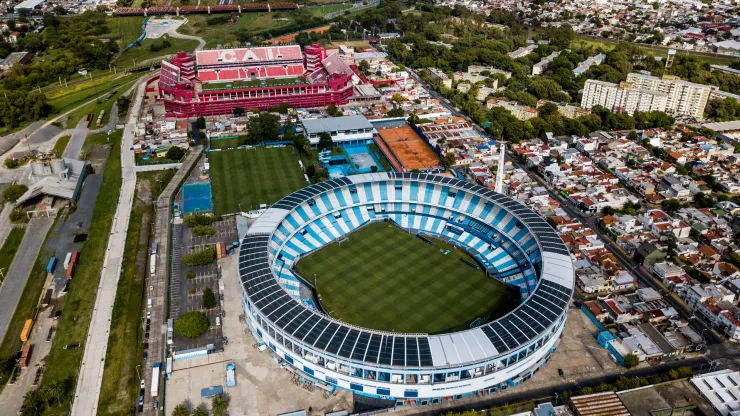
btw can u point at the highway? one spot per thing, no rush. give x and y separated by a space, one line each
90 377
625 261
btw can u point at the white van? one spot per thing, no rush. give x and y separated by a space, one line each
218 321
149 304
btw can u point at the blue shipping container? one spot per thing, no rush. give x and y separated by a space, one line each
211 391
52 264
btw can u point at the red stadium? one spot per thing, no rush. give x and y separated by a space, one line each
254 78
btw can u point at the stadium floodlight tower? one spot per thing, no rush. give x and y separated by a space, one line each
511 242
500 171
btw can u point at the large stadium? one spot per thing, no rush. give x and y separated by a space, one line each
506 241
218 81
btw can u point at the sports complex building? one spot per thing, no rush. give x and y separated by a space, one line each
217 81
509 241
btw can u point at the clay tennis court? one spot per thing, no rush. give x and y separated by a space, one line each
409 149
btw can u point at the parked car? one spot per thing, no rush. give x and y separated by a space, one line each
143 383
146 355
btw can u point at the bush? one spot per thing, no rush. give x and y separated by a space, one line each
209 299
175 153
193 220
18 216
631 360
200 258
11 163
204 230
190 275
13 192
191 325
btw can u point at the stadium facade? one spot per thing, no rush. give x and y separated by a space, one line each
217 81
514 245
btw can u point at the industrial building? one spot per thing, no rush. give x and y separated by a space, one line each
57 178
343 130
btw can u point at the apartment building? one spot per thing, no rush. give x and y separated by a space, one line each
440 77
684 98
522 112
623 97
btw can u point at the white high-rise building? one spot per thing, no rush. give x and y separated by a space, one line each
648 93
623 98
684 98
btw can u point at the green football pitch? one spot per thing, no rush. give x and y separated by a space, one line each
251 177
386 279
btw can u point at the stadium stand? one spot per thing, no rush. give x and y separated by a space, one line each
515 246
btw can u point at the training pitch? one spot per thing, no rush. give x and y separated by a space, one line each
386 279
251 177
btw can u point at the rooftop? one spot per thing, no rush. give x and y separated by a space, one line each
319 125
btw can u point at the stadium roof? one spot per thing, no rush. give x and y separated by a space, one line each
319 125
537 314
29 4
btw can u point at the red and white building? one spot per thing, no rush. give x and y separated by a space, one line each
328 80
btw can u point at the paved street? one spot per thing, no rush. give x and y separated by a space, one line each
20 269
93 361
77 140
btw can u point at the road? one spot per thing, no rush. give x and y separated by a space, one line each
76 140
159 284
727 357
90 377
18 272
176 34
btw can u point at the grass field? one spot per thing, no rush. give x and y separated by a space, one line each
227 143
125 343
254 83
78 305
251 177
61 145
10 247
64 103
387 279
97 106
225 34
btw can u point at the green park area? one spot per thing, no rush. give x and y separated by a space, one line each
243 179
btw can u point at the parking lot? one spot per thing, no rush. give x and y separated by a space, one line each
188 283
262 387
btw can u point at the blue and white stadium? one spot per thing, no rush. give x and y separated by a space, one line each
512 242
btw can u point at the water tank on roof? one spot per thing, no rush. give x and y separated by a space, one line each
37 168
57 166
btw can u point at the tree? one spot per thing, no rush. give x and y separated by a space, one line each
175 153
209 299
325 141
191 325
14 191
200 411
299 143
331 109
448 160
204 230
55 390
398 98
220 405
201 123
263 128
631 360
364 66
11 163
238 111
180 410
200 258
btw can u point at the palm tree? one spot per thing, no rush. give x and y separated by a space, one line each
32 400
43 394
180 410
220 404
56 391
200 411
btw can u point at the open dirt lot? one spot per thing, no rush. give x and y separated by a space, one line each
262 387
